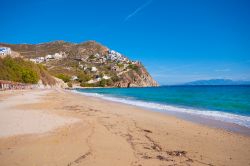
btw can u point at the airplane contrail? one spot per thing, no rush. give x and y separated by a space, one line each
138 10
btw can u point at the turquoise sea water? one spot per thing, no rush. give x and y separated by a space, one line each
225 103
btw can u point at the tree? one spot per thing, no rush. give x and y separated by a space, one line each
82 77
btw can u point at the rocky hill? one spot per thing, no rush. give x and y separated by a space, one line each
85 64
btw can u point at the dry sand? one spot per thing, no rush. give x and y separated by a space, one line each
20 121
54 127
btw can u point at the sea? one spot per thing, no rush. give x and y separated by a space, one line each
229 104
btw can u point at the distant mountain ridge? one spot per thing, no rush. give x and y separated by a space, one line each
217 82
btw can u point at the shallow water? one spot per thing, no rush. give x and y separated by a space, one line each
225 103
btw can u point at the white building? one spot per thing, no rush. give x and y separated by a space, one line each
116 56
97 55
58 56
81 66
48 57
106 77
85 68
135 62
73 78
5 51
93 69
116 68
84 59
94 80
33 60
37 59
103 60
91 81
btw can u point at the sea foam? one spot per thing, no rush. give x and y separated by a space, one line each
215 115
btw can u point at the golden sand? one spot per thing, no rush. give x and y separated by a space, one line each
92 131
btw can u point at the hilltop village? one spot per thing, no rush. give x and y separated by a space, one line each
83 65
120 64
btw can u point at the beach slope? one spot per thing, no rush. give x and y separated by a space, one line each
56 127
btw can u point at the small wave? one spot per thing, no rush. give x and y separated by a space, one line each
216 115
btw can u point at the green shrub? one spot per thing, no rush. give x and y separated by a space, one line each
107 67
29 76
133 67
82 77
109 82
91 57
102 83
64 77
120 65
115 78
18 70
102 74
87 85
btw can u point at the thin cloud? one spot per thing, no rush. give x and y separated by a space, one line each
138 10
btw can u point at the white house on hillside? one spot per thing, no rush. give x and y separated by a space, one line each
48 57
116 56
73 78
57 56
106 77
93 69
5 51
97 55
37 59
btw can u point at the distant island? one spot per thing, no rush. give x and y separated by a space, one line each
217 82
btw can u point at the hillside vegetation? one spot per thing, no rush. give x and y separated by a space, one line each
86 64
19 70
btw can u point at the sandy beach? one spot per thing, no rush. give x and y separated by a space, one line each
57 127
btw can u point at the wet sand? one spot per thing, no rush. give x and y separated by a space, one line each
91 131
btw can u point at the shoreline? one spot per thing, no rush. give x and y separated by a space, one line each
191 117
109 132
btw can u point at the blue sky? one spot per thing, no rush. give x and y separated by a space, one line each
177 40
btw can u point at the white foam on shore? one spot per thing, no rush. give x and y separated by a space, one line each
215 115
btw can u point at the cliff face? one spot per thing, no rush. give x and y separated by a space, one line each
88 63
140 78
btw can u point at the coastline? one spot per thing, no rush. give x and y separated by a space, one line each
186 113
113 132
